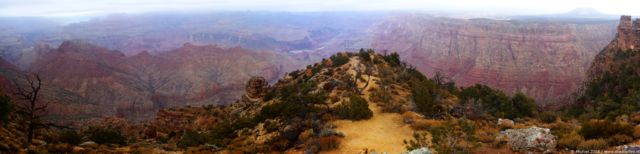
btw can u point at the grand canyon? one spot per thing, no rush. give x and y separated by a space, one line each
544 59
308 82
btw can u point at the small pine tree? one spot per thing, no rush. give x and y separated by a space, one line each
364 56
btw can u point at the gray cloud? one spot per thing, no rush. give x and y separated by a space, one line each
97 7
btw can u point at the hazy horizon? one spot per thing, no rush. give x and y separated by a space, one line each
75 8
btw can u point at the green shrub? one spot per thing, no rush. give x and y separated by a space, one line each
497 103
296 100
419 140
190 139
339 60
364 56
548 117
423 93
282 109
106 136
162 139
602 129
356 109
269 95
523 106
393 59
593 144
5 109
71 137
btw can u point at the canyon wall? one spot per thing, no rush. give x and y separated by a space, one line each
543 59
85 80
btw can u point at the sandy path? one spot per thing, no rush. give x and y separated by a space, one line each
384 132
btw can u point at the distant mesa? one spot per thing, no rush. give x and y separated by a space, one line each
585 11
577 13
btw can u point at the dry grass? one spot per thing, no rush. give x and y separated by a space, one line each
423 124
487 134
593 144
636 131
570 141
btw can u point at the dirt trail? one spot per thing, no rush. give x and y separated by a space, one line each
384 132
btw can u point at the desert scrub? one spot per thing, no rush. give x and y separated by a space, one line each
190 139
548 117
420 139
619 139
593 144
356 109
70 136
106 136
339 59
454 136
602 129
570 141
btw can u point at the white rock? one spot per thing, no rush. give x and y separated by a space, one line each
530 139
423 150
88 143
506 122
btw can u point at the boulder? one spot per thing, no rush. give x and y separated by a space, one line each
529 139
505 122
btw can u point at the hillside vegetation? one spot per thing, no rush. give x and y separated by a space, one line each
299 113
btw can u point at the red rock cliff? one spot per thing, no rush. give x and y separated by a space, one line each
544 59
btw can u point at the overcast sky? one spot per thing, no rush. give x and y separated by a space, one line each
99 7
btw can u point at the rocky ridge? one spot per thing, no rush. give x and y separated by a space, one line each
627 38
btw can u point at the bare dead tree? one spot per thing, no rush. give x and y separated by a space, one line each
30 108
359 72
441 79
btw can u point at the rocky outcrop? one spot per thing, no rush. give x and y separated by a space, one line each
627 38
543 59
256 87
529 139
